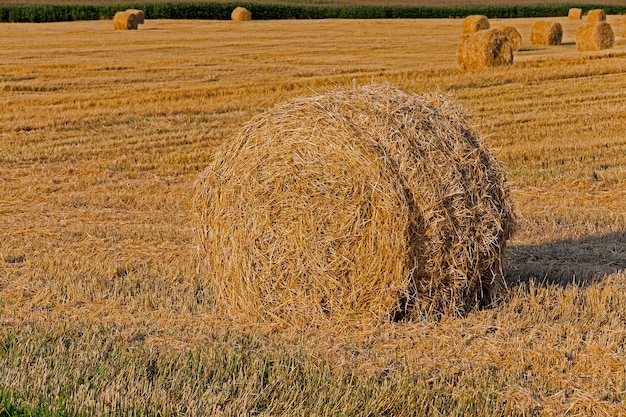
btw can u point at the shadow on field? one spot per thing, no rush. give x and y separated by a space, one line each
571 261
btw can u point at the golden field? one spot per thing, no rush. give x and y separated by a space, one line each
103 309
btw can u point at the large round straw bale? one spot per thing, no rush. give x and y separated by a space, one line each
486 48
474 23
141 16
595 37
575 13
241 14
357 205
546 33
596 15
125 21
513 35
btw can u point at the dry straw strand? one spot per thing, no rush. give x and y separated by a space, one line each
575 13
595 37
596 15
141 16
546 33
474 23
124 21
357 205
483 49
513 35
241 14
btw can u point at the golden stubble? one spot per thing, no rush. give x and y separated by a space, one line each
103 133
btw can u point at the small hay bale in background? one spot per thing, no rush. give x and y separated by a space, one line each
485 48
241 14
514 36
595 37
358 205
474 23
141 16
546 33
575 13
622 28
125 21
596 15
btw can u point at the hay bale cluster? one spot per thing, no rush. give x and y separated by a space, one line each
595 37
357 205
483 49
241 14
546 33
475 23
129 19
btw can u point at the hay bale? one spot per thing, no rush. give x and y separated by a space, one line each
124 21
474 23
141 16
622 28
546 33
513 35
357 205
596 15
486 48
241 14
575 13
595 37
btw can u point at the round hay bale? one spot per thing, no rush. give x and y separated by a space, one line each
595 37
357 205
141 16
486 48
474 23
125 21
241 14
513 35
596 15
546 33
575 13
622 28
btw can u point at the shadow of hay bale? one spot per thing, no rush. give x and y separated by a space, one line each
569 261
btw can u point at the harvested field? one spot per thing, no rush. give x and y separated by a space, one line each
103 309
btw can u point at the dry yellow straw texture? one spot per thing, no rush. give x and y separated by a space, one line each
241 14
141 16
596 15
513 35
595 37
546 33
358 205
474 23
575 13
486 48
124 21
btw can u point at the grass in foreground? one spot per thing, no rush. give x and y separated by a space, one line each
102 308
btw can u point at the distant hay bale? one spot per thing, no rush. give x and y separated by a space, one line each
546 33
241 14
141 17
125 21
596 15
513 35
486 48
474 23
575 13
358 205
595 37
622 28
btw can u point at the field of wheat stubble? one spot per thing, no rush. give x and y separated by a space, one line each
104 311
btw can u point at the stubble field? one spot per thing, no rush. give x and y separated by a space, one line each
104 311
